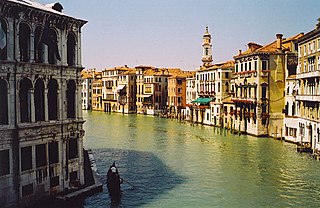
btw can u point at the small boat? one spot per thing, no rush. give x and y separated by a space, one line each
113 182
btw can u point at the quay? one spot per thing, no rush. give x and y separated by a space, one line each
92 185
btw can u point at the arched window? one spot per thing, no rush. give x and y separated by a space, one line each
24 42
3 40
25 100
53 50
293 109
53 99
39 100
3 102
38 45
71 98
71 47
287 109
264 90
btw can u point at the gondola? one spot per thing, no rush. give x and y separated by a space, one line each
113 182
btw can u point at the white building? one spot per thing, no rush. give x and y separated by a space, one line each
302 122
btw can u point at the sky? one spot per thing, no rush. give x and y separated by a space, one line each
168 33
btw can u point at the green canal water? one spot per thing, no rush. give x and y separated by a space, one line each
173 164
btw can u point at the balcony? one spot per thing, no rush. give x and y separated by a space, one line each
246 73
312 98
264 73
244 100
310 74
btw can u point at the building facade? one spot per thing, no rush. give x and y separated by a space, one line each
302 124
87 78
110 88
127 91
97 103
154 93
41 124
259 86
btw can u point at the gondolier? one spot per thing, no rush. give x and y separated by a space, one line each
113 182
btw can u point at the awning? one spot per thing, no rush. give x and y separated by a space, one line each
202 100
120 87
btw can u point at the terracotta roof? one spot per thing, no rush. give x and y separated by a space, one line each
162 71
129 72
271 47
117 68
223 65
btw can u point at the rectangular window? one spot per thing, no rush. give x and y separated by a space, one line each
4 162
74 176
54 181
264 92
264 65
53 152
26 158
27 190
41 156
73 148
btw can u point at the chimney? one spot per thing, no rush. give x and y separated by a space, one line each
279 41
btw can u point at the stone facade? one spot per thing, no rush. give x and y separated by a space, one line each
41 124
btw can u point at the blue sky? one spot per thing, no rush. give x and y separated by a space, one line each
168 33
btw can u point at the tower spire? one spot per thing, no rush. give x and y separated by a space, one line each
206 48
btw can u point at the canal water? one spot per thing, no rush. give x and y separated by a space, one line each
174 164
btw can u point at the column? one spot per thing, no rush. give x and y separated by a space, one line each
45 53
78 100
46 107
33 115
12 95
63 48
16 37
60 103
78 60
31 49
10 40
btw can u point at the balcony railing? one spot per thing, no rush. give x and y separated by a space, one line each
265 73
314 98
244 100
308 74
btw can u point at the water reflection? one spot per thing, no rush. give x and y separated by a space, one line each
175 164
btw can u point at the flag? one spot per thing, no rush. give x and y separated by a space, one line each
3 38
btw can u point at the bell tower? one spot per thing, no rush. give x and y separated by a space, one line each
206 49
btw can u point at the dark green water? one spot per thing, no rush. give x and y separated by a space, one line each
178 165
